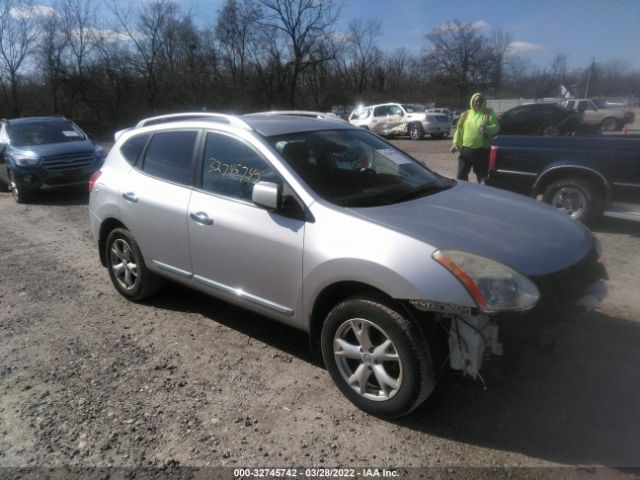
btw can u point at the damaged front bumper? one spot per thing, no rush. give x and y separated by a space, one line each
566 296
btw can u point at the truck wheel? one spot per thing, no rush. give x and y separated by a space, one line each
609 124
377 358
20 195
415 131
127 270
577 197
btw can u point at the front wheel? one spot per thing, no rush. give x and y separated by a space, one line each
20 195
127 270
415 131
378 359
577 197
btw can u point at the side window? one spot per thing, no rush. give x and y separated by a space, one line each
231 167
170 156
132 148
395 110
381 111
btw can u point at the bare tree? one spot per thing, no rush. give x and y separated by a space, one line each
236 33
457 55
306 28
361 54
51 50
147 25
17 41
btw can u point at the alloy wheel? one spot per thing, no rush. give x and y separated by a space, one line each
123 264
367 359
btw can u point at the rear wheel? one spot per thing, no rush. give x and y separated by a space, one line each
579 198
378 359
127 270
415 131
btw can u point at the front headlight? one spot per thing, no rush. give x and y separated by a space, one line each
494 286
25 160
99 152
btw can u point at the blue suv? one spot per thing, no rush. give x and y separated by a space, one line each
45 152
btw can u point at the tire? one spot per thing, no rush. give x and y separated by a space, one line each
20 195
609 124
415 131
549 130
579 198
392 387
132 280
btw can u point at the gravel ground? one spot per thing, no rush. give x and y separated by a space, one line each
88 379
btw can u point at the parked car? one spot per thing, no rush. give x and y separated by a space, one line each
395 119
539 119
392 270
594 117
44 153
585 177
453 114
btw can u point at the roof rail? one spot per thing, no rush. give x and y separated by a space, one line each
299 113
215 117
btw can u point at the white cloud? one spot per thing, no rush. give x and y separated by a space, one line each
34 11
452 26
481 25
525 47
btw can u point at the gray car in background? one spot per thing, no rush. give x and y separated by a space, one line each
394 271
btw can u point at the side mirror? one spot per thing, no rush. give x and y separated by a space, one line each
266 194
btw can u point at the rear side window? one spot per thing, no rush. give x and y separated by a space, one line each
231 167
132 148
170 156
381 111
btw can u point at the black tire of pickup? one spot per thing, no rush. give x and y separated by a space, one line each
415 131
578 197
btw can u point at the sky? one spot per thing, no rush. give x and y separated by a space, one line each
606 30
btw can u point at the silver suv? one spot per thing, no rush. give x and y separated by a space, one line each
397 119
394 271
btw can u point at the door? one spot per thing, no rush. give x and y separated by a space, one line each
379 119
155 199
396 118
249 254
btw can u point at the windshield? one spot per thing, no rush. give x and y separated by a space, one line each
42 133
356 168
413 108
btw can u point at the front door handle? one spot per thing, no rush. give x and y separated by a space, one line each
130 196
202 218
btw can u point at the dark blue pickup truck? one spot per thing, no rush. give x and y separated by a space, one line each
585 176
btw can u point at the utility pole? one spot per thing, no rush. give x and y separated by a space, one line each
593 63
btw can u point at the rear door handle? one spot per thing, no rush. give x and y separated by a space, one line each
202 218
130 196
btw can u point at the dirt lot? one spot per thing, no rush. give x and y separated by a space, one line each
89 379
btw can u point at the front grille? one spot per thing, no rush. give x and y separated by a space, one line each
69 161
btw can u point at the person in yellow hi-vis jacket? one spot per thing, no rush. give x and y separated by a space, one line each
474 133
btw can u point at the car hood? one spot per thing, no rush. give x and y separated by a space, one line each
56 148
526 235
416 116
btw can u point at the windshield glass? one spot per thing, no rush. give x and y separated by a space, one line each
42 133
356 168
413 108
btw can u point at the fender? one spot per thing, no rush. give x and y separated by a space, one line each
569 165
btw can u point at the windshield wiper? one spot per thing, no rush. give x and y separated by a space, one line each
421 191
